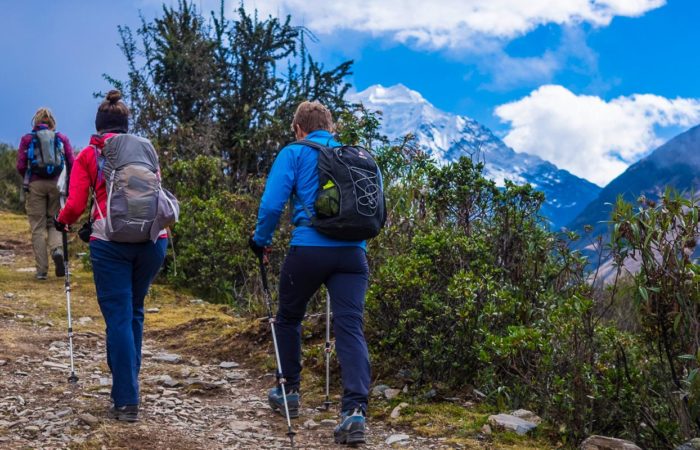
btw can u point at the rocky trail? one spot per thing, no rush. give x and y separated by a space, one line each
192 397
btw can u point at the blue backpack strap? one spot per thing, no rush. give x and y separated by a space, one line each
30 150
100 160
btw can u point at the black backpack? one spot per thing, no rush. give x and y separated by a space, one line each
45 154
350 204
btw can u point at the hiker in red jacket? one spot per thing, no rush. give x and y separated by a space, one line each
123 271
43 154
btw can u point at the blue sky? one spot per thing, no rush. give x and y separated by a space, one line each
591 85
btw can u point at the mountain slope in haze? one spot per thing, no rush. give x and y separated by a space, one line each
448 136
676 164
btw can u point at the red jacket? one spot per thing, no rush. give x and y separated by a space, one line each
83 177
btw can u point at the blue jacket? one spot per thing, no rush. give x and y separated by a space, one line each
295 171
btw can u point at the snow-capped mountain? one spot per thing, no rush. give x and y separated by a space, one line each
448 136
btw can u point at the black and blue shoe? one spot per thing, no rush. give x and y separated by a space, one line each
276 401
128 413
351 430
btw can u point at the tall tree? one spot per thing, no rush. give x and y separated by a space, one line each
223 87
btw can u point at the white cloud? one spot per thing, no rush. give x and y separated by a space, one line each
588 136
453 24
473 31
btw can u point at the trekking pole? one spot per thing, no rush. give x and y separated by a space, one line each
327 403
72 378
280 378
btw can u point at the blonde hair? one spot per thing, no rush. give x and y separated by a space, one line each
44 116
312 116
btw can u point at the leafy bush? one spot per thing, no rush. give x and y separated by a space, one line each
474 293
661 239
10 181
211 241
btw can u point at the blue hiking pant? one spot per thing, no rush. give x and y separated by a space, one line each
345 273
123 273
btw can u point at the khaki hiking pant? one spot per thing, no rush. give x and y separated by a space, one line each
42 205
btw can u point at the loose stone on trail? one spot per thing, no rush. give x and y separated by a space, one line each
88 419
527 415
607 443
396 413
168 358
311 424
693 444
394 438
228 365
379 389
391 393
512 423
54 366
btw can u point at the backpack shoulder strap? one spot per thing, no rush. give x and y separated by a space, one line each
100 160
312 144
30 149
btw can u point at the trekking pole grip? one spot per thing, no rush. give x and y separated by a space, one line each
263 273
64 237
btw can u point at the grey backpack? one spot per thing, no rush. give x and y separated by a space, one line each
45 154
138 207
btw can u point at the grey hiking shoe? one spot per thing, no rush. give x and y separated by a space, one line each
351 430
57 257
128 413
41 276
276 401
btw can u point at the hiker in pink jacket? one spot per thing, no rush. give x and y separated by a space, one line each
43 154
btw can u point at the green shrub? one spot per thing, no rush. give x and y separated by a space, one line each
211 241
10 181
475 293
662 238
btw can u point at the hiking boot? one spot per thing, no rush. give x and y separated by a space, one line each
57 257
351 430
276 401
128 413
41 276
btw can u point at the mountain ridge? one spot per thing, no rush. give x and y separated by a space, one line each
676 163
448 136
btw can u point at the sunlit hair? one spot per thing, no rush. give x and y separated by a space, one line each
312 116
44 116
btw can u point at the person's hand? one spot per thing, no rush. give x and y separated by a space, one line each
259 250
60 226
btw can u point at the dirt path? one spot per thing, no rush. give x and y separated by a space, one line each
189 400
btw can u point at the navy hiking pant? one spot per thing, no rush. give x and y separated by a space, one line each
345 273
123 273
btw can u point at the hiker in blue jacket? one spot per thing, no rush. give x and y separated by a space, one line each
315 259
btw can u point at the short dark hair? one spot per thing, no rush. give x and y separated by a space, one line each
312 116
